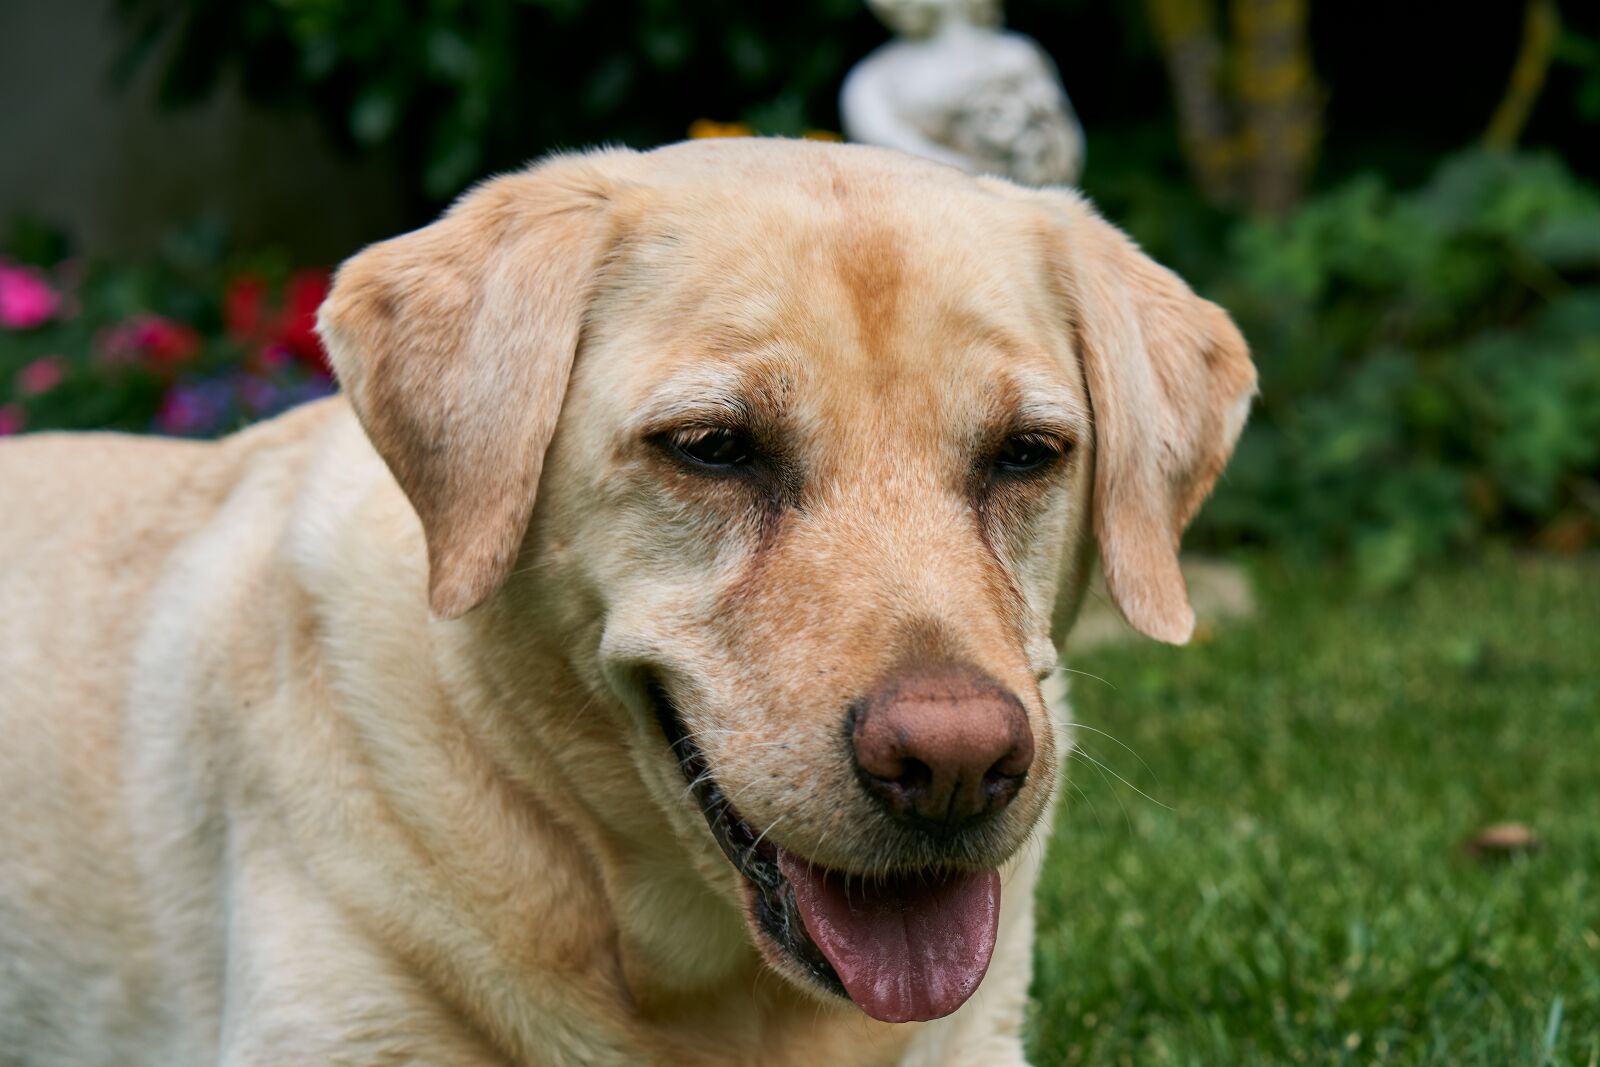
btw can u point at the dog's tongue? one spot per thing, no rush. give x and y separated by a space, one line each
907 949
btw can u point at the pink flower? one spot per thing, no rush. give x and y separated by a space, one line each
26 299
40 376
12 419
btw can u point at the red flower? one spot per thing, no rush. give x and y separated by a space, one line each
297 327
291 333
244 308
154 340
167 343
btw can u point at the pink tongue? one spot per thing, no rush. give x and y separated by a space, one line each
907 950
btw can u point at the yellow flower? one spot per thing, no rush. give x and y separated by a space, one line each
711 128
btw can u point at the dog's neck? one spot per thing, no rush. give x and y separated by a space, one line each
573 753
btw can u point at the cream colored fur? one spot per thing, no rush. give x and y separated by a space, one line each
326 743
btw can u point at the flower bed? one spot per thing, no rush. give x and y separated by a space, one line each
182 347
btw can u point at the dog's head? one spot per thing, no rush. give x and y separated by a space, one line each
821 438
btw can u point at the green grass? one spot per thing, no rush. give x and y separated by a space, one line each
1279 879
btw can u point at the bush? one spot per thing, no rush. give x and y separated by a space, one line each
1430 367
456 91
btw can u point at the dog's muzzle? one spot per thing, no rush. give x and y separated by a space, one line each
903 947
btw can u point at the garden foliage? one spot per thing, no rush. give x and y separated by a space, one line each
1430 366
1430 358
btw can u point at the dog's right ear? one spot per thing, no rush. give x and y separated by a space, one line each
454 344
1170 382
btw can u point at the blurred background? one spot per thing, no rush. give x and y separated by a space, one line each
1290 846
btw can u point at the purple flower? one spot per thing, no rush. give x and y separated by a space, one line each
196 409
258 394
314 388
12 419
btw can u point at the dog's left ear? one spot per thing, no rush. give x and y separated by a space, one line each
454 344
1170 382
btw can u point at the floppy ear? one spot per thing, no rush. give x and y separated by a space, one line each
454 344
1170 382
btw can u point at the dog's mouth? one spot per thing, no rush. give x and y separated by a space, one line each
903 948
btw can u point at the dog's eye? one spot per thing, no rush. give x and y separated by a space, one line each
1022 453
713 447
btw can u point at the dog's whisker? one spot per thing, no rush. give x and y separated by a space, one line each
1075 725
583 709
765 832
1073 670
1113 772
697 781
1098 818
1126 818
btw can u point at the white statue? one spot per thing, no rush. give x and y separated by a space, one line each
954 87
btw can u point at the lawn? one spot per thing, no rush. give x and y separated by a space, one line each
1264 865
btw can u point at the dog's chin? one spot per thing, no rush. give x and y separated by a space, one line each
903 948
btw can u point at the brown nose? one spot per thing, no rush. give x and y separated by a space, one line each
942 748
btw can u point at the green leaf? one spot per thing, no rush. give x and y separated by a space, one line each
374 115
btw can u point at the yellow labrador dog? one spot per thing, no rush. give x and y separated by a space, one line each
647 661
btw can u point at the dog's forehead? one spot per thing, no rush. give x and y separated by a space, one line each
906 284
878 222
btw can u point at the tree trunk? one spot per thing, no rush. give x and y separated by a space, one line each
1277 100
1250 138
1187 31
1541 27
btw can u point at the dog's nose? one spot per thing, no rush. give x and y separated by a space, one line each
942 748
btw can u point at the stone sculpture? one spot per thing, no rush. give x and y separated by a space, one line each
955 87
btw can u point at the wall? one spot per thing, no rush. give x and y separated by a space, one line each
118 172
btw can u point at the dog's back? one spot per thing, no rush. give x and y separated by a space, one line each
90 537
